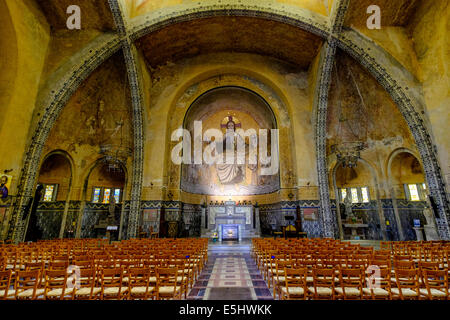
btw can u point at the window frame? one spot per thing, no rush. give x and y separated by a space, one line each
358 191
421 191
101 196
54 194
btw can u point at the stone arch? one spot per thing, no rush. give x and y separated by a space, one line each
242 78
69 77
375 182
85 178
71 167
390 180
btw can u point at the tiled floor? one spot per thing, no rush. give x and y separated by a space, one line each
230 274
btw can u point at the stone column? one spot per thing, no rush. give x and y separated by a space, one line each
203 221
80 219
258 223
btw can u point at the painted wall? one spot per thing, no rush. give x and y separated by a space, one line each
430 28
102 105
26 60
358 109
176 85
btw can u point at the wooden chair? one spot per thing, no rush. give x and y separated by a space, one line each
350 284
111 284
5 285
166 285
383 290
151 265
182 278
323 283
279 276
309 265
427 265
269 264
30 266
436 285
87 289
407 281
26 285
295 286
56 285
139 284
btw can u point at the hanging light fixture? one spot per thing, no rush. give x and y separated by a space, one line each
352 128
115 154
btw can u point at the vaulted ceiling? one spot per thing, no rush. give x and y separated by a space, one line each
95 14
230 34
393 12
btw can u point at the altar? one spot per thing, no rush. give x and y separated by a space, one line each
231 221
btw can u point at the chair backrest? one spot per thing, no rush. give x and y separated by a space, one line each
60 258
58 265
34 266
402 257
87 264
383 279
324 277
26 280
105 264
111 277
139 277
351 278
428 265
295 277
407 279
436 279
166 277
55 279
5 282
382 263
87 277
403 264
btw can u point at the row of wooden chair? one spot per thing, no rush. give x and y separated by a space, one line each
114 283
353 284
100 263
330 254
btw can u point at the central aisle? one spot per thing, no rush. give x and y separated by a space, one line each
230 274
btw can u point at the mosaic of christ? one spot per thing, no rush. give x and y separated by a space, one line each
232 115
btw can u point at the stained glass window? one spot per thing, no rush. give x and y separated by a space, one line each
96 197
365 194
48 195
354 195
414 193
106 195
117 195
343 194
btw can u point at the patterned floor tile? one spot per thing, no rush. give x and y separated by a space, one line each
230 275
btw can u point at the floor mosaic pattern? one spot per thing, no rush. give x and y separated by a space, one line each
230 274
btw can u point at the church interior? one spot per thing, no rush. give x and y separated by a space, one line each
224 149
